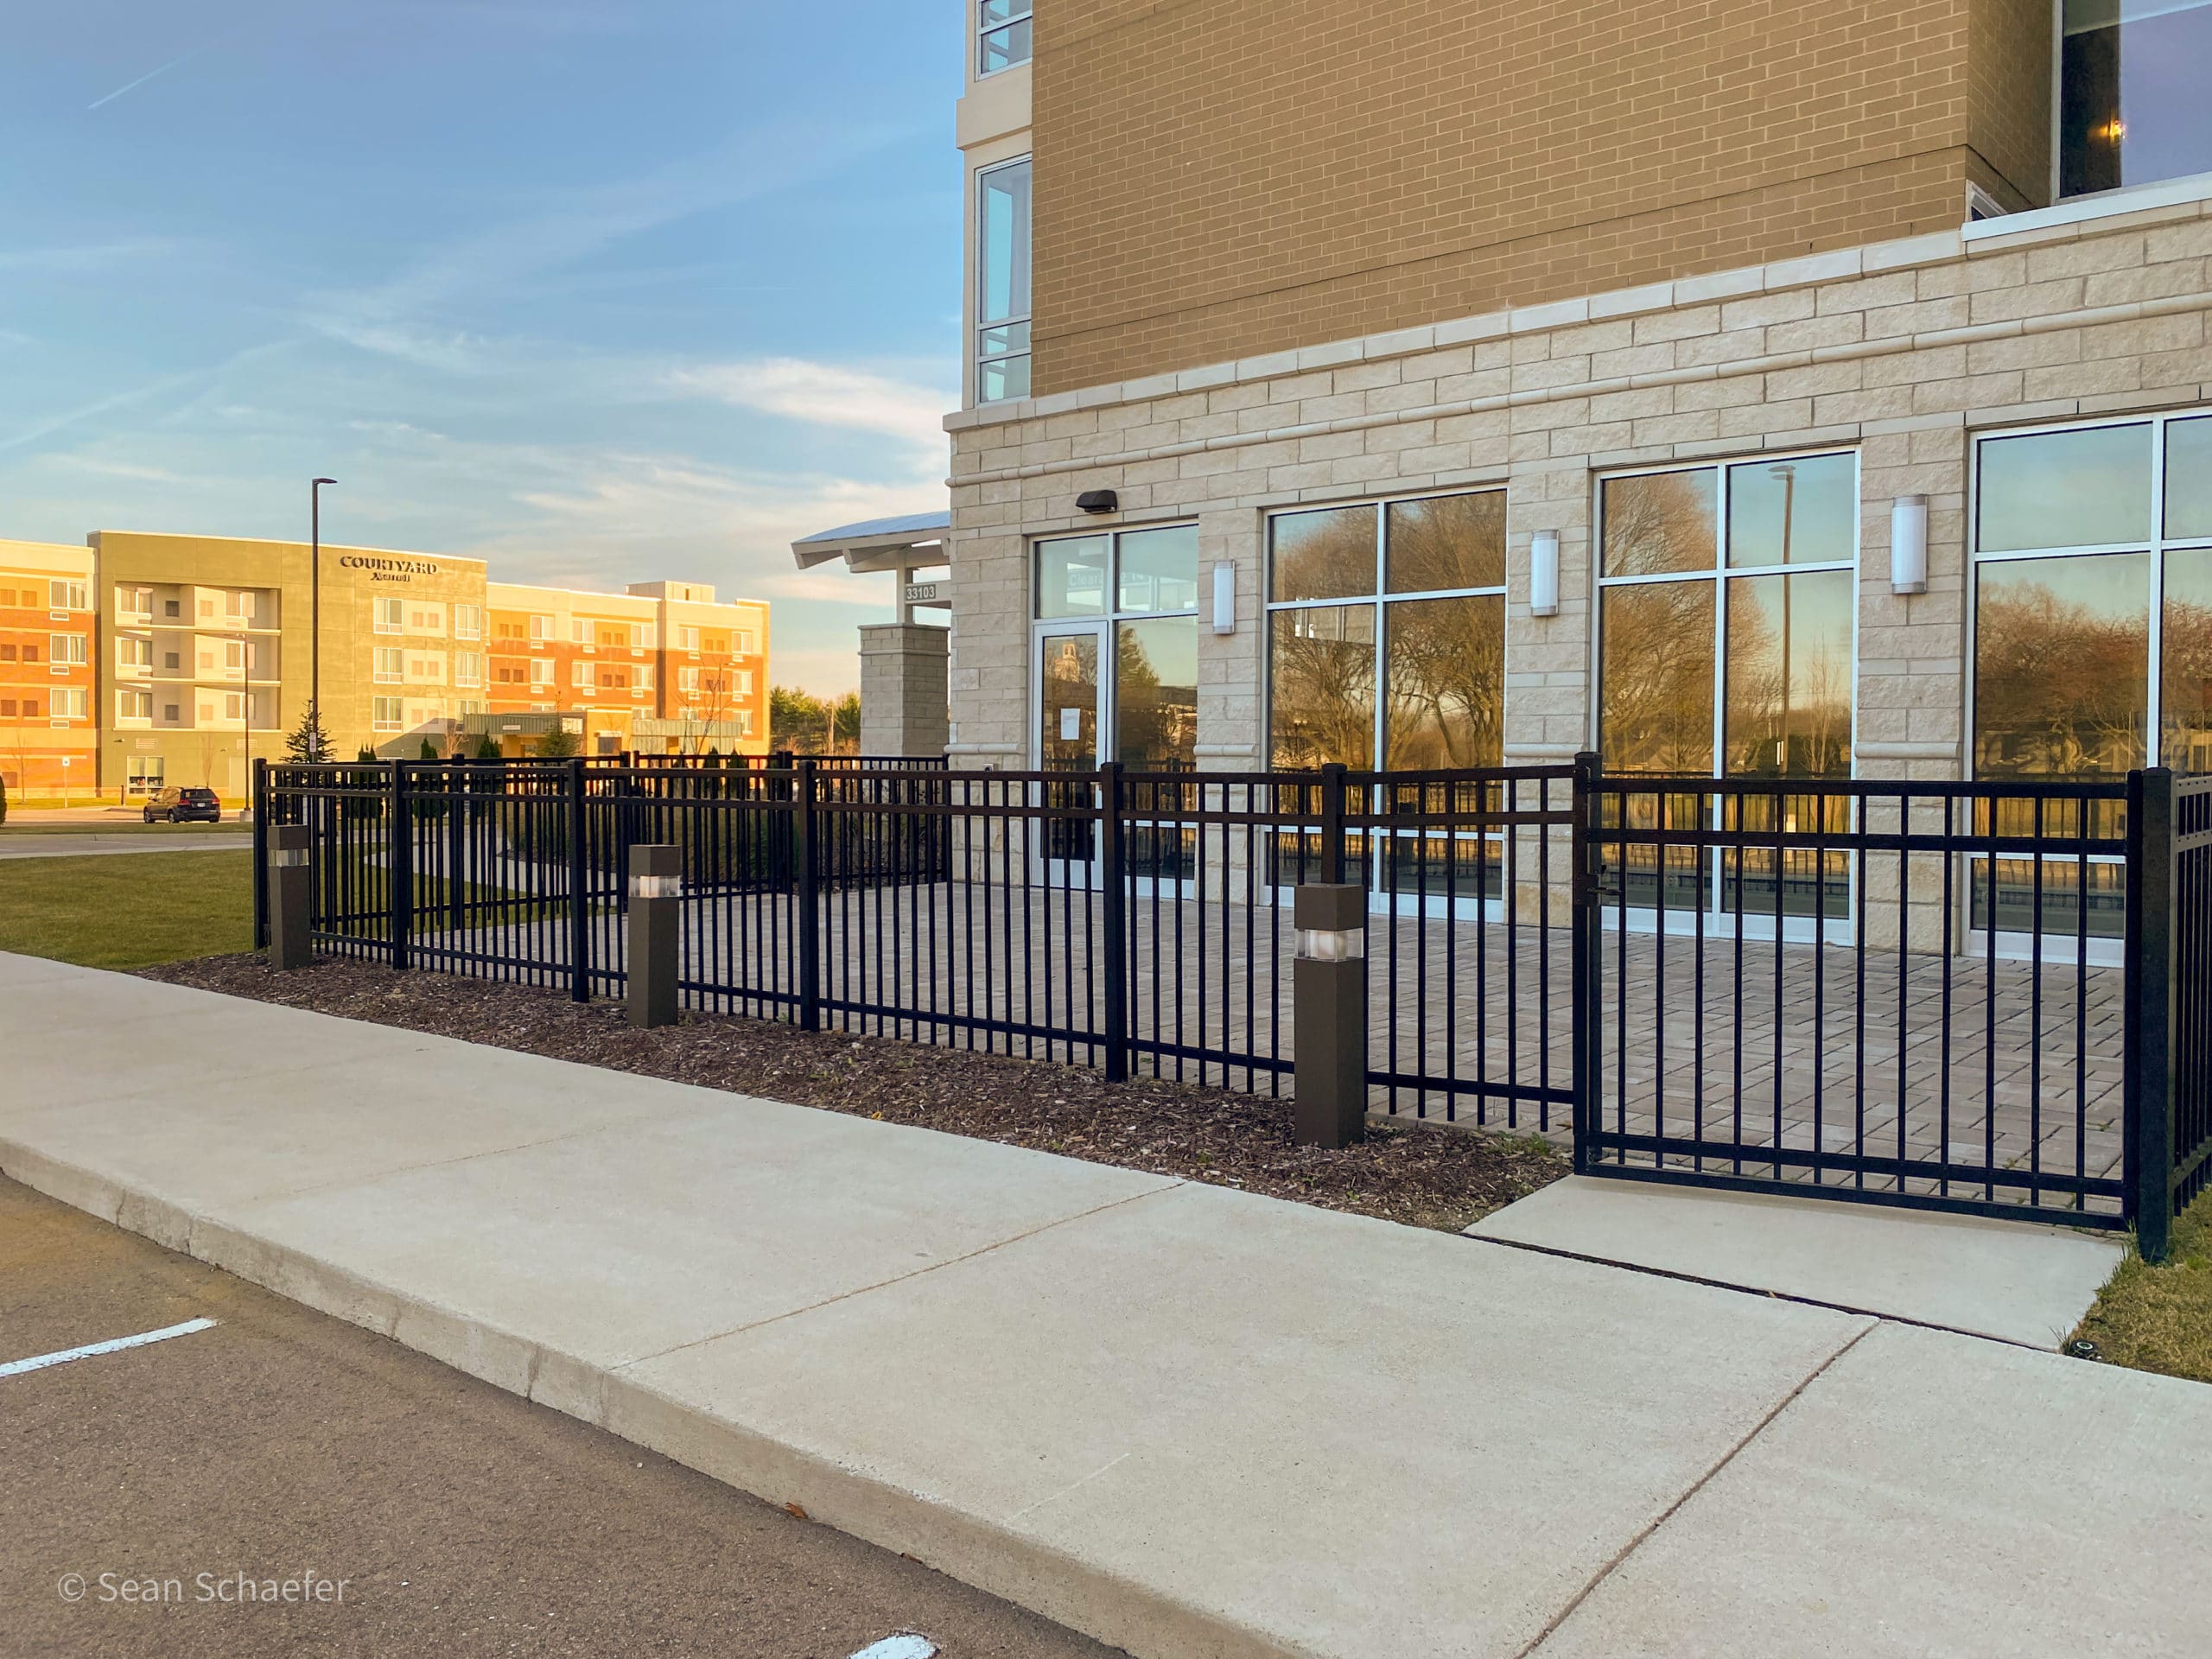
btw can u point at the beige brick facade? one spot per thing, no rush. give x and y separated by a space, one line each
1900 351
1219 181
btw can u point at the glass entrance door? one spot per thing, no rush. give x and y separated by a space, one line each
1070 716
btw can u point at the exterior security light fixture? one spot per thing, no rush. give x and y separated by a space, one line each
1543 573
655 887
1097 501
1225 597
1909 544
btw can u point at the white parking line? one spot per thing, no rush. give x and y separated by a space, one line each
40 1362
900 1647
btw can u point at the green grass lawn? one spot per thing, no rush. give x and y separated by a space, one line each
2160 1318
122 912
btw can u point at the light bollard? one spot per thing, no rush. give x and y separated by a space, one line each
656 903
291 943
1329 1007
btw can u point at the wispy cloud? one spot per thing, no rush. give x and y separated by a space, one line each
824 394
174 63
87 258
139 394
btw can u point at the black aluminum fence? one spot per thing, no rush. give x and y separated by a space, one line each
1926 994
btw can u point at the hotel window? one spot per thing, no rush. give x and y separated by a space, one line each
134 705
1117 644
469 622
541 629
391 666
644 675
1728 601
386 713
67 702
687 638
390 616
471 706
467 668
134 653
687 682
2131 108
67 597
585 674
1727 623
745 682
541 673
583 631
746 643
1002 281
234 705
1002 35
135 603
1422 580
233 656
2081 538
65 649
645 636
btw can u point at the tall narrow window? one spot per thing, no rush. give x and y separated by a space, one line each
1003 33
2131 108
1002 281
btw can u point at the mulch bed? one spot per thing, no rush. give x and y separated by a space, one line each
1426 1176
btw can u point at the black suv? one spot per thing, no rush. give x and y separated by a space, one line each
184 806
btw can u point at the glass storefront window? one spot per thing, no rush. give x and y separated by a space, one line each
2071 679
1326 554
1321 664
2131 108
1156 693
1429 578
1072 576
2089 488
1159 570
1678 632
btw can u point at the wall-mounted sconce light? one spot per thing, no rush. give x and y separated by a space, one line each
1225 597
1097 501
1543 573
1909 544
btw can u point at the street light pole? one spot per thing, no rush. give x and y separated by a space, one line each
315 599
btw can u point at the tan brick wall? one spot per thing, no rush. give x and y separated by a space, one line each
2008 98
1902 352
1224 180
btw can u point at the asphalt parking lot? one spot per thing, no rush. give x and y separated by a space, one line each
160 1498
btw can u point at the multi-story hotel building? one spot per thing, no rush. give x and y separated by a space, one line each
141 660
1781 387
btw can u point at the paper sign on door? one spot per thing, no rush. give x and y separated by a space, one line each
1071 723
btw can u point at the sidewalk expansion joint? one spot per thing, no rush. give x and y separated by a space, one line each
1755 1290
1691 1491
899 1279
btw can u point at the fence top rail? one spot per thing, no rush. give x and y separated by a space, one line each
2071 789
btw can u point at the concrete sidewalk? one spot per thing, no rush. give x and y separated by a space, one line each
1183 1420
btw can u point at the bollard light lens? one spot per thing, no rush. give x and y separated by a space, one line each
288 858
1328 944
655 887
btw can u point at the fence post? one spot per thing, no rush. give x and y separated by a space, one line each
2149 1093
401 886
456 841
578 881
1113 905
260 852
804 857
1587 956
1332 822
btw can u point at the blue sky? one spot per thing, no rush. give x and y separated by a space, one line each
600 289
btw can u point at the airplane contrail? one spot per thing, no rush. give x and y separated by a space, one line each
148 75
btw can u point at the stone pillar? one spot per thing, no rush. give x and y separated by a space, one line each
903 690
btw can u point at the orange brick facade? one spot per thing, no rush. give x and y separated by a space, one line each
1228 180
49 644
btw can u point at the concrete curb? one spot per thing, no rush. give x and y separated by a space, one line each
976 1552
